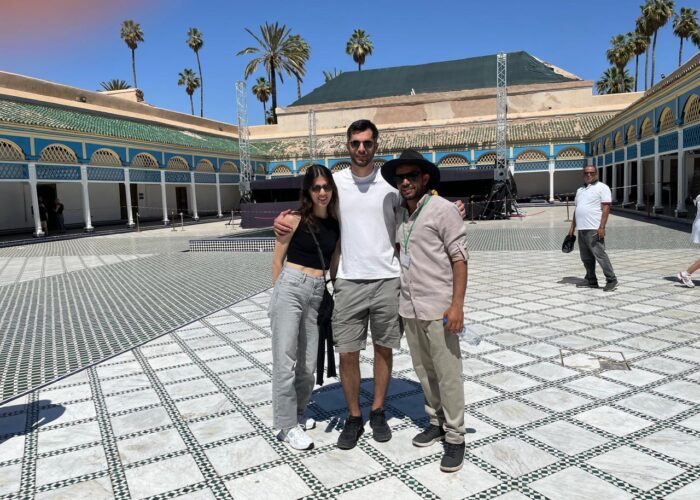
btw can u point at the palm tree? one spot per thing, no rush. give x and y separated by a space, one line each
115 84
276 53
684 25
132 35
643 28
695 38
195 41
328 75
614 81
261 90
302 52
619 53
638 44
359 47
191 82
656 13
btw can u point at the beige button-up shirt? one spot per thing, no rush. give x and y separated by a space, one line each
436 240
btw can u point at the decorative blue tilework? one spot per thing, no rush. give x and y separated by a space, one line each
57 173
532 166
570 164
203 178
619 155
608 158
229 178
178 177
668 142
691 136
13 171
631 152
105 174
600 161
647 148
144 175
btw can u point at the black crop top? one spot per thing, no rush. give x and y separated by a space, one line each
302 249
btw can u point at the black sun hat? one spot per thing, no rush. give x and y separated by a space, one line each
411 157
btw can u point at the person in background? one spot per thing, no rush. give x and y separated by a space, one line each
310 249
685 276
58 210
43 214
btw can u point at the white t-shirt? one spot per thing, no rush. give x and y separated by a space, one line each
588 201
367 214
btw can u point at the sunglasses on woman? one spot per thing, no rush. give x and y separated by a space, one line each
326 187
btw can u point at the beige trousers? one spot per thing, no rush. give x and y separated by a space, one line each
438 363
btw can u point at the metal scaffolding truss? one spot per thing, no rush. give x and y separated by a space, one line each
244 142
500 173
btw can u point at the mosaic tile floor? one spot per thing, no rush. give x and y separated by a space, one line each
188 414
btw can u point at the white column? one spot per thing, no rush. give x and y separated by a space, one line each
658 206
626 173
640 183
166 221
87 217
127 192
511 166
605 174
551 180
681 184
613 187
193 188
35 201
218 197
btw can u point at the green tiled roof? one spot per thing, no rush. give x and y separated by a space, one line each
550 129
57 118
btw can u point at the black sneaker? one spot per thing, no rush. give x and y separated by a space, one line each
610 286
380 429
431 435
354 428
588 284
453 458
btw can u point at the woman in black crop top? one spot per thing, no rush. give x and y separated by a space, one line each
293 308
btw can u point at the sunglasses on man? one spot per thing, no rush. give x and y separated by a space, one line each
366 144
326 187
410 176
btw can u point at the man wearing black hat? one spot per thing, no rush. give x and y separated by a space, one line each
430 234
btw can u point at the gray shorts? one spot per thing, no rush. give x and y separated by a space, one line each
359 302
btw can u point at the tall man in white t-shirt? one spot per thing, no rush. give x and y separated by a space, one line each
593 201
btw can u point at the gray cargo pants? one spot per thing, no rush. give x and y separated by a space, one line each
592 249
293 311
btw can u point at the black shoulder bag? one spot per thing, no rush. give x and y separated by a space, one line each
325 323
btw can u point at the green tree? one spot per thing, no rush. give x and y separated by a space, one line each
619 52
195 41
261 90
614 81
638 44
190 80
131 34
302 52
684 25
695 38
115 84
359 47
656 13
329 75
276 53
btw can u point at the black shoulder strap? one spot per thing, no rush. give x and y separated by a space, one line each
320 253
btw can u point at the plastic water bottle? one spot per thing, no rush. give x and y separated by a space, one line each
467 335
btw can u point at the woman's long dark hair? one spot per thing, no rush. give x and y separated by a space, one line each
307 205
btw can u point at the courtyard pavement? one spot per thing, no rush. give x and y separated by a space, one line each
572 393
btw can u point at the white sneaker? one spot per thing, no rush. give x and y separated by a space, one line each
306 423
685 278
296 438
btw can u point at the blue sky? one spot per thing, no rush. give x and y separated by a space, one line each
76 42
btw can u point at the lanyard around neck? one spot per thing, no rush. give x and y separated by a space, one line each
410 230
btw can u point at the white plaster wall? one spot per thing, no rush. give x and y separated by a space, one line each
104 202
230 198
16 202
71 195
206 199
150 205
532 183
567 182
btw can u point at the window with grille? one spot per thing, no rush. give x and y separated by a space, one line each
667 121
691 110
106 158
454 161
379 163
229 166
618 140
177 163
205 166
647 129
56 153
531 155
260 169
340 166
631 134
571 154
487 159
144 160
9 151
608 145
281 170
